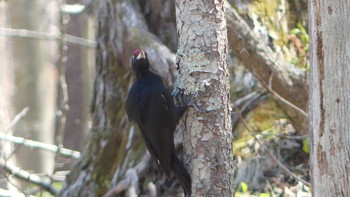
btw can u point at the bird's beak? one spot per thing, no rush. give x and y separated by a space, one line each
142 55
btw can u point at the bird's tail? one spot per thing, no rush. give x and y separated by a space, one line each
181 174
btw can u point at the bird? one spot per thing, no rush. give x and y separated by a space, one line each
151 106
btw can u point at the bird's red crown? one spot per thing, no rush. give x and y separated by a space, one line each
137 52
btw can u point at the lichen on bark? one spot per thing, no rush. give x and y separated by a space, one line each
203 74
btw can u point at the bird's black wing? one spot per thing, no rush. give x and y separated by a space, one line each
134 102
149 106
157 129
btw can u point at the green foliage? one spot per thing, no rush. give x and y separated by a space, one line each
244 187
58 185
306 145
299 39
243 191
272 15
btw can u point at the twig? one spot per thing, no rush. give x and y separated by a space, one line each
18 117
40 145
29 177
63 107
277 96
298 137
268 151
23 33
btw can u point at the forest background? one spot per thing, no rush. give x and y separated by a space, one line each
58 86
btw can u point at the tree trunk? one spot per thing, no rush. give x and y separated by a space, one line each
329 97
80 77
35 79
6 91
203 73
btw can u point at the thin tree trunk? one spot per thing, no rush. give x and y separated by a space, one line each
35 79
330 97
203 72
80 76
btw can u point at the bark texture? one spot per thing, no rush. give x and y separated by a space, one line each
35 79
330 97
202 56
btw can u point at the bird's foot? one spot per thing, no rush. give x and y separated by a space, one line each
192 103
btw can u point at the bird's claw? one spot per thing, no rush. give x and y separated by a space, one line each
192 103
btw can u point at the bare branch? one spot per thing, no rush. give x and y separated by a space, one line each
40 145
279 97
19 116
29 177
23 33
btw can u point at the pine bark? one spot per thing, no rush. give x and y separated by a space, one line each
202 56
329 97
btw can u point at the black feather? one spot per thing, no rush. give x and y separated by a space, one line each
151 106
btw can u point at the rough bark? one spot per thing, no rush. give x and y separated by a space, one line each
35 79
121 29
329 97
288 81
202 56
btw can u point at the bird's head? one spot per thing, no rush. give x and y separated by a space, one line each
140 61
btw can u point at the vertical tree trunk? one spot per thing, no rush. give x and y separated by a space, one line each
203 70
79 74
6 96
329 97
35 79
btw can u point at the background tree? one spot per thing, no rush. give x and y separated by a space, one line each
35 80
80 73
330 97
202 56
6 105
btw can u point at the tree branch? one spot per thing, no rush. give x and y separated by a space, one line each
40 145
288 82
279 97
23 33
18 117
29 177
